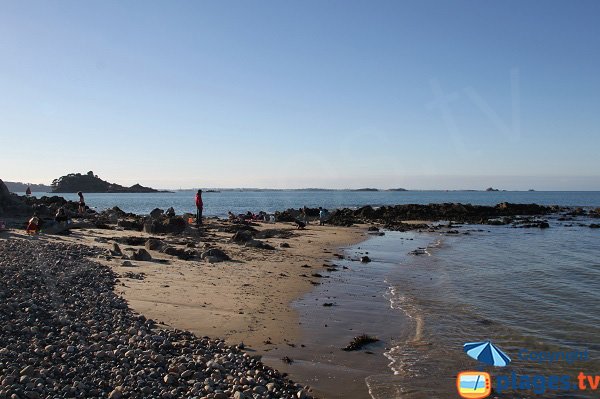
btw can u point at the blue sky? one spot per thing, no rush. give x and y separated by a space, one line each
287 94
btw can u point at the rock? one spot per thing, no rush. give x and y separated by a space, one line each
170 212
129 224
284 245
259 389
170 225
241 237
180 253
126 263
216 254
595 226
154 244
116 250
365 259
169 379
71 335
156 213
141 255
28 371
259 244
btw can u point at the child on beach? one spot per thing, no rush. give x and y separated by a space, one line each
33 226
81 203
304 214
199 206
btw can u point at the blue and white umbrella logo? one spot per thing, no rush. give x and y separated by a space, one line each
487 353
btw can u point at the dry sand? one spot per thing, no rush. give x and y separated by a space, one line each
245 299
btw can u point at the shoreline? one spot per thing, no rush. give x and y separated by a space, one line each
353 300
253 298
244 301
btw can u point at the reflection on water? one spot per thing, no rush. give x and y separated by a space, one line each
520 288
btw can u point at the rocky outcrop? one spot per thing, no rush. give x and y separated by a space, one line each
290 215
10 204
167 225
462 213
91 183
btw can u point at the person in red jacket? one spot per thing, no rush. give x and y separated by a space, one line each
199 206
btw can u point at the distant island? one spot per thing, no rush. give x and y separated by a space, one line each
91 183
491 189
18 187
397 189
366 189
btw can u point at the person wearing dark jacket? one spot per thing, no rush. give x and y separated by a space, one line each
199 206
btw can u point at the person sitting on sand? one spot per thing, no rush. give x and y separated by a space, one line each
300 225
81 208
231 216
33 226
61 216
199 207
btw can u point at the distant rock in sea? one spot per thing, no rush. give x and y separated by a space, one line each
91 183
491 189
366 189
397 189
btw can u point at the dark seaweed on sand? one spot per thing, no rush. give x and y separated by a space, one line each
359 341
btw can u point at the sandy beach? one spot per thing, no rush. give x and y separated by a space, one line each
245 300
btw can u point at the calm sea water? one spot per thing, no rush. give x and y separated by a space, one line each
537 290
523 289
217 204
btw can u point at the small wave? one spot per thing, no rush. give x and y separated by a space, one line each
404 354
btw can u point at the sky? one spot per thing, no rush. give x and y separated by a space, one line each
291 94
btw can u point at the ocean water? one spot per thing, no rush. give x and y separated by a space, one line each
534 290
523 289
219 203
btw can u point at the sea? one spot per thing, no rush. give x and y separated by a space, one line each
243 200
534 293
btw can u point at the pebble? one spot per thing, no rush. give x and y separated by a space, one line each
67 334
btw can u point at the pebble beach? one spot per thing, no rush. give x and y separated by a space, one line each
67 334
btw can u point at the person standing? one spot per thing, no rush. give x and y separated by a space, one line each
81 203
322 216
199 206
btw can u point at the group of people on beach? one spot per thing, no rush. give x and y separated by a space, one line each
61 217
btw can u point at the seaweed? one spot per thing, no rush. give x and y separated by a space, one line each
359 341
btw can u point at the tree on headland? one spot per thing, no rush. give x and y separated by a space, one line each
91 183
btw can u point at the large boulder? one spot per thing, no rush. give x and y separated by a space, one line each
156 213
131 224
154 244
214 255
141 254
242 237
174 225
11 204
